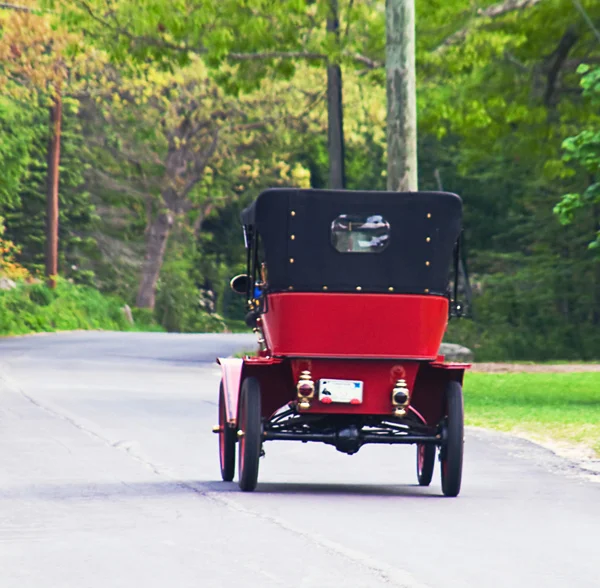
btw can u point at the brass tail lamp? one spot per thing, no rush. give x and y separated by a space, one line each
305 390
400 398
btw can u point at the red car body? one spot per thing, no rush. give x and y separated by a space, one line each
383 338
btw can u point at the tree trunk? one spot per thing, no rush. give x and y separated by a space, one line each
335 118
52 196
401 96
156 243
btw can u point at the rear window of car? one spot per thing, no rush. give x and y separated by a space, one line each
351 233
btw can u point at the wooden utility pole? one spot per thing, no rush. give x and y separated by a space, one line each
335 117
401 96
52 196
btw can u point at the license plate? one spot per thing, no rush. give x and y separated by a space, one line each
346 391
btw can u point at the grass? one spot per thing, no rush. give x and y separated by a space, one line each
557 406
236 326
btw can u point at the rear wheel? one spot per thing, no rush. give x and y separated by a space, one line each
226 441
250 434
425 463
451 453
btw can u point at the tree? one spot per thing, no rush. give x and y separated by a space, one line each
335 117
25 214
401 96
583 150
19 132
36 54
174 139
270 40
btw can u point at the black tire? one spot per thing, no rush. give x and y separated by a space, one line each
425 463
249 422
451 453
227 439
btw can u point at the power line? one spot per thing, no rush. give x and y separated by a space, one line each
586 17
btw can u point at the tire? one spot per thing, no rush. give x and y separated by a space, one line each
227 439
425 463
250 442
451 454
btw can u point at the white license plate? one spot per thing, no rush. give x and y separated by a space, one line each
347 391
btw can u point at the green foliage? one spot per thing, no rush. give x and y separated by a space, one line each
9 268
241 41
543 311
498 93
583 151
33 308
25 213
222 257
20 129
180 305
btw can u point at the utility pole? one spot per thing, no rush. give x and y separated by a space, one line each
52 196
335 117
401 96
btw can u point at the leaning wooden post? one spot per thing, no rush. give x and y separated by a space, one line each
401 96
52 196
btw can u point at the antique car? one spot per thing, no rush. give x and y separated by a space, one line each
349 293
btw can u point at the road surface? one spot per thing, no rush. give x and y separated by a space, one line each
109 478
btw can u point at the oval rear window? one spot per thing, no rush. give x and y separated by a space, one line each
351 233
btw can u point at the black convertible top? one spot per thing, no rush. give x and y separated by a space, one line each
294 228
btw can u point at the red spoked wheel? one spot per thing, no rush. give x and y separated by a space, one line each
227 439
451 451
250 427
425 463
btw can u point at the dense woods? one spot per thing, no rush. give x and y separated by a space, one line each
175 114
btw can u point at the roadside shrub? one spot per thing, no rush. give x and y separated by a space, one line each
32 308
9 268
180 306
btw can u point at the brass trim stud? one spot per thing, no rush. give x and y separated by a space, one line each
324 287
292 260
240 434
293 213
216 429
292 237
358 288
428 239
290 287
426 290
390 289
427 263
429 215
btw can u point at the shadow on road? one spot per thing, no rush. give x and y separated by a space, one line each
308 489
160 489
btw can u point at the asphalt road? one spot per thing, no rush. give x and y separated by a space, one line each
109 478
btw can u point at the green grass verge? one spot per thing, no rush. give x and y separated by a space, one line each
35 308
557 406
236 326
